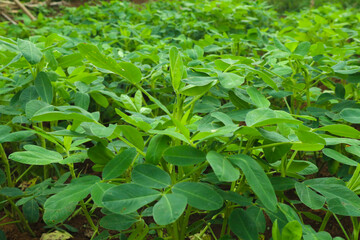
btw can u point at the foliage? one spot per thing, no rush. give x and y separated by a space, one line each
203 110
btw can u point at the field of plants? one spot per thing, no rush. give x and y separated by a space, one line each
181 120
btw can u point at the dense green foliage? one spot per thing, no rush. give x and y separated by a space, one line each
192 115
288 5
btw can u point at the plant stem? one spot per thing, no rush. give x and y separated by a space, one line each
131 145
82 204
28 169
227 212
268 145
356 228
325 221
87 216
291 159
175 231
21 217
185 223
342 227
7 223
6 166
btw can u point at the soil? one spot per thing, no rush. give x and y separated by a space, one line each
79 222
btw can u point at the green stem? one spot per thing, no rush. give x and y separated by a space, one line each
6 166
291 159
356 228
154 100
82 204
226 144
287 105
175 231
131 145
12 222
283 166
21 217
88 217
307 86
342 227
192 102
325 221
185 223
268 145
27 170
227 212
43 144
194 170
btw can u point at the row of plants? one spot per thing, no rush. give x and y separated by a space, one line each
177 120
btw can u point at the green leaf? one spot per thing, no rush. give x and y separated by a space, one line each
351 115
259 100
124 69
118 222
353 150
75 158
223 169
150 176
169 208
309 197
97 192
57 116
235 198
2 177
302 49
14 60
171 133
239 222
307 146
119 164
257 218
184 155
156 148
132 135
35 155
341 130
266 78
128 198
339 157
275 231
341 200
61 205
43 87
282 183
31 211
310 137
176 68
199 195
230 80
265 116
292 231
191 90
16 136
30 52
319 236
280 46
100 99
10 192
82 100
257 180
100 154
238 102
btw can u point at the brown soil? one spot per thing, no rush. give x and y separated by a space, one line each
79 222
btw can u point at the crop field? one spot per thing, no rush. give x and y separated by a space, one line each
174 120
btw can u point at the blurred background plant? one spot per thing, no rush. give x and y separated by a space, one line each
290 5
